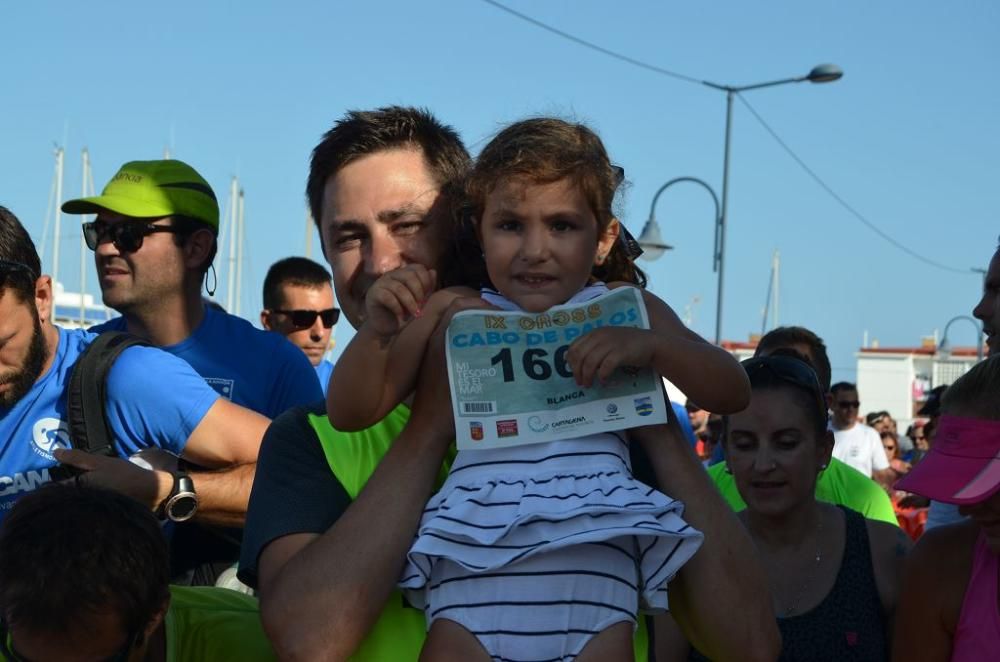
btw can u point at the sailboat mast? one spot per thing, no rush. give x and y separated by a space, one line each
239 256
775 291
309 235
231 271
83 244
60 154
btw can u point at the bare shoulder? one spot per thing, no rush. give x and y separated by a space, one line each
947 549
887 540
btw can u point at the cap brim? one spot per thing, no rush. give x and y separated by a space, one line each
117 204
953 479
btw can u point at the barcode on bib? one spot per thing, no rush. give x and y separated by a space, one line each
479 407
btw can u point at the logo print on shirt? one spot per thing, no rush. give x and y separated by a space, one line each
223 386
49 434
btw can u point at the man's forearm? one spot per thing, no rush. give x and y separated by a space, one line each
223 494
723 577
326 598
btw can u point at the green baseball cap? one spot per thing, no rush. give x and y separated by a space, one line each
151 189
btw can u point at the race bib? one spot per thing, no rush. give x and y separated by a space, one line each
510 384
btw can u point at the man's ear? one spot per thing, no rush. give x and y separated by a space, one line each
43 297
197 248
265 319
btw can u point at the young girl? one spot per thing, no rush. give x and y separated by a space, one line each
561 527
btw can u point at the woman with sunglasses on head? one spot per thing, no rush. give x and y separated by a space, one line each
950 604
834 575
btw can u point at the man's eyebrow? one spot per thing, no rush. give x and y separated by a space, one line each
347 226
390 215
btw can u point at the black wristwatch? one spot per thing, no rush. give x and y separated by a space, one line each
182 503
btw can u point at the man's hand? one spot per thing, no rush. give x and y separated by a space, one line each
596 355
145 486
397 297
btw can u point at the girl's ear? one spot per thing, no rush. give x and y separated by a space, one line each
607 241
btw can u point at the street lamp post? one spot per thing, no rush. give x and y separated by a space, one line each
943 345
652 227
823 73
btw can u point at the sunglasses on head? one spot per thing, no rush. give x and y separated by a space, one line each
848 404
303 319
788 369
127 236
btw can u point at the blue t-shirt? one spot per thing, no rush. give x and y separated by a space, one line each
255 369
682 418
153 400
323 371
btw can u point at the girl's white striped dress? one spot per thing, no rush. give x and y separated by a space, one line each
535 549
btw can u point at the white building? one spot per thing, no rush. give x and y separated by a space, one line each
898 379
74 310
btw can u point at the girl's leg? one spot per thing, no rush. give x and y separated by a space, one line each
448 641
612 644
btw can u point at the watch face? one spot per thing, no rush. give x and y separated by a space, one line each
182 507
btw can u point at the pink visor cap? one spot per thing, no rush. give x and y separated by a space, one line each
962 467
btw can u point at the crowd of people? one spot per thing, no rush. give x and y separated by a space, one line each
259 503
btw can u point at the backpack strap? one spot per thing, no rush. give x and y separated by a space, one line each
89 428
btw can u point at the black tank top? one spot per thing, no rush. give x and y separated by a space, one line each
849 623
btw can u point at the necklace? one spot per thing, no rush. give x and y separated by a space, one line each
794 604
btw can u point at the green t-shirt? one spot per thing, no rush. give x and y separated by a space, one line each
208 623
837 484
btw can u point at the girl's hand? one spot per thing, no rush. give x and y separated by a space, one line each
596 355
397 297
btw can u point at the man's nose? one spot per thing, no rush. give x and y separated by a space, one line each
105 247
316 330
385 255
980 312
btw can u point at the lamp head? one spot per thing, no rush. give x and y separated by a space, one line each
825 73
651 241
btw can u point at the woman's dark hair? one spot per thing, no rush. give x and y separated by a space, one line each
540 151
67 551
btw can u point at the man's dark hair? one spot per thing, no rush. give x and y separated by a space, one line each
67 551
788 336
300 271
188 227
843 386
360 133
17 247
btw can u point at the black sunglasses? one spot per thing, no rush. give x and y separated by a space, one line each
11 655
127 236
788 369
851 404
303 319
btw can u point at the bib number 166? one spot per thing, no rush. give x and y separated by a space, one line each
534 363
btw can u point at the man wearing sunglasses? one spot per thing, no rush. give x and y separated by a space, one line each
855 443
298 304
154 240
154 401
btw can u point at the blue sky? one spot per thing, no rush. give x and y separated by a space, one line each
908 137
